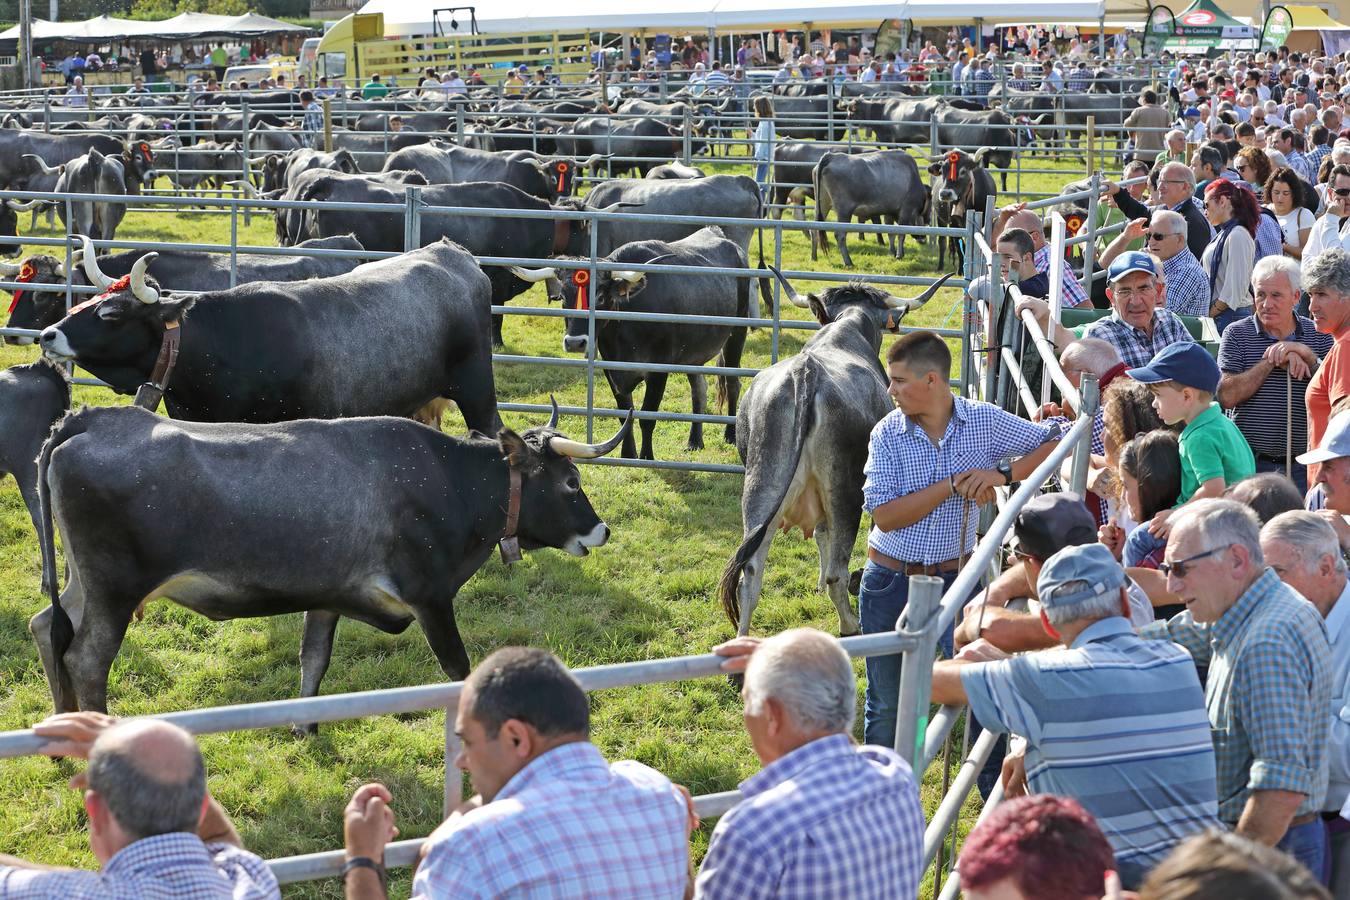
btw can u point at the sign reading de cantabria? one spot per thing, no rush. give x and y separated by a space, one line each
1279 22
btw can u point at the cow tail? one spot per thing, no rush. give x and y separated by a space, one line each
805 383
62 631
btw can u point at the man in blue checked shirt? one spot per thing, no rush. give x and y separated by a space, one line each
931 463
825 817
153 826
552 818
1269 687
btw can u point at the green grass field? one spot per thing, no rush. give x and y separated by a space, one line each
649 593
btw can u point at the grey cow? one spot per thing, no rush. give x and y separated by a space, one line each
32 398
721 195
378 519
881 184
802 432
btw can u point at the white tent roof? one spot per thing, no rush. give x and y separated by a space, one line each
181 27
405 17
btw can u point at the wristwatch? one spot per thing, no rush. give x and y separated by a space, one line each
365 862
1004 468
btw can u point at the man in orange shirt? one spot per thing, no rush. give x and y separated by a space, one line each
1327 281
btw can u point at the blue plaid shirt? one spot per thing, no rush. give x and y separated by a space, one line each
569 824
1135 347
901 460
1074 295
174 866
829 819
1268 693
1318 153
1187 284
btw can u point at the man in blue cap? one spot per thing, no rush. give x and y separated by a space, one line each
1137 327
1214 454
1112 720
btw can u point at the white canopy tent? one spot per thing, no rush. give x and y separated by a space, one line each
415 17
185 26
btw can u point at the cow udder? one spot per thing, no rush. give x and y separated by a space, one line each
804 509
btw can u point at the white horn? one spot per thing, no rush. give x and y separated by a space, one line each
533 276
247 186
628 275
42 164
90 262
20 207
9 270
916 302
143 291
594 159
577 450
791 294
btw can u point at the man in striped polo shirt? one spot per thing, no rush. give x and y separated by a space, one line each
1116 722
1267 360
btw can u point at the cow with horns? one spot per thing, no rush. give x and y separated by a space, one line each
335 347
960 184
660 343
378 519
802 433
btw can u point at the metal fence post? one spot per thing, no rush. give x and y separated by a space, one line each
454 784
1090 248
245 172
1091 140
829 105
459 123
412 218
916 668
590 332
234 242
1088 398
777 291
933 138
327 125
46 112
686 138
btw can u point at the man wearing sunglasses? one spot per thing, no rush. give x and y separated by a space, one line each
1333 228
1165 237
1176 191
1116 722
1269 685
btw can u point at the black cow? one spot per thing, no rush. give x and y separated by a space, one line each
279 171
676 170
9 227
960 184
721 195
802 433
178 270
378 519
335 347
54 148
883 183
662 343
442 163
631 144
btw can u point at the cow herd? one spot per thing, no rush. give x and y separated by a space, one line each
289 475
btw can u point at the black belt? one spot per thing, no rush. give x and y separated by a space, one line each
1275 459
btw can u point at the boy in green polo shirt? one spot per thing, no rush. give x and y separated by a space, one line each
1214 454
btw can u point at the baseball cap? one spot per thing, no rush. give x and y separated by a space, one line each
1191 113
1335 442
1090 563
1187 364
1050 522
1133 261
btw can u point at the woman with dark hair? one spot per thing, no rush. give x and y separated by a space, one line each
1127 411
1296 221
1234 213
1253 166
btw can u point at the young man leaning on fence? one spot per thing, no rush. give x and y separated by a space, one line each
153 826
551 818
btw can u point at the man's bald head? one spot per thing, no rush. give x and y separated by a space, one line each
1031 224
150 775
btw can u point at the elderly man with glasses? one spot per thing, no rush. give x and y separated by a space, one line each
1176 192
1165 233
1267 360
1269 686
1332 229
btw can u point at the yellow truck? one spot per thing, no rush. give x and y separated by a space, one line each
355 48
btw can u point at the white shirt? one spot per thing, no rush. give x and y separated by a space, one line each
1294 221
1326 234
1338 632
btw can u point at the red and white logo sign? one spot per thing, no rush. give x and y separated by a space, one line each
1198 17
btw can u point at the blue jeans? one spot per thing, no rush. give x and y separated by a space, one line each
1297 471
1229 316
1307 843
883 596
